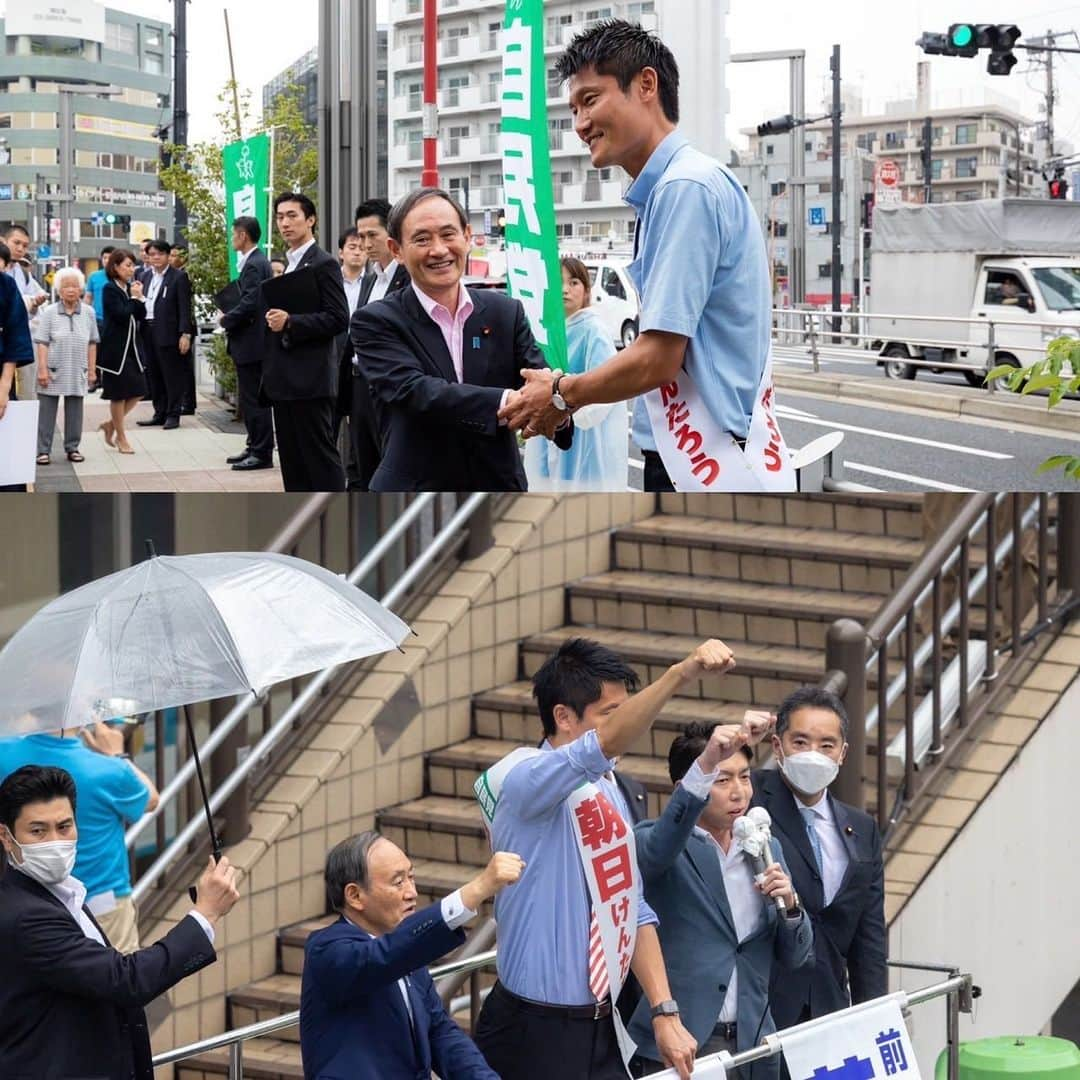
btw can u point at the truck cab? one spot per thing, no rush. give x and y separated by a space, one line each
614 299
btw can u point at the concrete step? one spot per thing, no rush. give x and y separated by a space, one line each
771 554
440 828
264 1059
715 607
266 999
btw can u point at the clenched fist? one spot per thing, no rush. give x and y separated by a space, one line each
725 740
757 724
711 657
504 868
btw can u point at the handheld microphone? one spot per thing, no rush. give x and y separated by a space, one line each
758 851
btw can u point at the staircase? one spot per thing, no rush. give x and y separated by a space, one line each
698 571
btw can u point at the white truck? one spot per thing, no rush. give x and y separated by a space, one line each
1010 263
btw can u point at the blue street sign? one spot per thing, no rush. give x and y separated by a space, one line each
817 215
44 251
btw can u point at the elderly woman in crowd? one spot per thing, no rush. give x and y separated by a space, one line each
66 335
123 377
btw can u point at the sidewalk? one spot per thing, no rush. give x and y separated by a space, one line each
191 458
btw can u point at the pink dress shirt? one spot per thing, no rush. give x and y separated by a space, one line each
452 326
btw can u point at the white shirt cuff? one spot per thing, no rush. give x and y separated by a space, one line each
502 404
698 782
454 911
204 922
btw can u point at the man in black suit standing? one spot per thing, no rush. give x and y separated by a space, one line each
834 854
385 276
70 1004
300 364
167 333
442 361
245 343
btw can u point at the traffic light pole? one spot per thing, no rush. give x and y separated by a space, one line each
1049 96
837 156
180 109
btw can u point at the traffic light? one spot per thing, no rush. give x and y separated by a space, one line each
781 125
1059 186
967 39
964 39
1002 59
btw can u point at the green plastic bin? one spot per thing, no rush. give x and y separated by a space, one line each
1014 1055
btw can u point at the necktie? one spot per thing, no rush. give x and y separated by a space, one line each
598 974
815 842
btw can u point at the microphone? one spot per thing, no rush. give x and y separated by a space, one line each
754 831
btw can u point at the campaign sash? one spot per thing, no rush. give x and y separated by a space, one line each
608 855
700 456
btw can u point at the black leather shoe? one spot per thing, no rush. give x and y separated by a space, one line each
250 463
237 458
187 412
154 421
171 424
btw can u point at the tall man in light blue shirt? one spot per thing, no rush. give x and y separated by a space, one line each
542 1018
700 264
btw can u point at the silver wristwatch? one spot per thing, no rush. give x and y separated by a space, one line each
556 398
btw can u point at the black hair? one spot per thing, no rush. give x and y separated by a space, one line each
105 251
160 245
404 207
811 697
300 199
348 234
379 208
250 226
16 228
623 49
687 747
31 784
5 253
347 863
280 259
574 677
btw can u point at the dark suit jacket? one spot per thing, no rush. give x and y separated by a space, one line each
70 1007
242 323
301 362
684 885
172 308
850 938
439 434
353 1021
118 346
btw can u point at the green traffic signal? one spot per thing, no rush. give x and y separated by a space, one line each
962 35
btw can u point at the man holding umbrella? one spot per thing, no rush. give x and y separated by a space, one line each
70 1005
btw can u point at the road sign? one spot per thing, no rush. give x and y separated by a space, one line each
44 251
889 174
817 216
887 184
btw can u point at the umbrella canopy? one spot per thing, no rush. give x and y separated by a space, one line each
179 629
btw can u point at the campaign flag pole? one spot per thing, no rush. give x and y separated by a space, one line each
246 168
430 175
533 275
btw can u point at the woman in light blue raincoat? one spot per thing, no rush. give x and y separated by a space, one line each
598 460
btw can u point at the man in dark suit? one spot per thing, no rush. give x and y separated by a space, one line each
70 1004
368 1007
834 852
167 333
300 357
178 261
245 343
442 361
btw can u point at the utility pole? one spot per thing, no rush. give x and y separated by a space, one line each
180 111
1049 95
837 181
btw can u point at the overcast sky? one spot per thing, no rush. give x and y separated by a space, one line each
876 38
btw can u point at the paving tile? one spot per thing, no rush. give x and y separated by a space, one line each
1014 730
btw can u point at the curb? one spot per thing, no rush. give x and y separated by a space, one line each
1016 412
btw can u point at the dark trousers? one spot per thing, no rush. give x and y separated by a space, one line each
656 477
523 1045
306 449
258 419
165 369
363 435
188 402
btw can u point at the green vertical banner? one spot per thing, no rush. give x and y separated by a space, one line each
532 250
246 168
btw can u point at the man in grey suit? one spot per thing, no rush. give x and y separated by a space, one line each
245 330
720 931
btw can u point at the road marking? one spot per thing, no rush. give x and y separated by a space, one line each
920 481
795 414
780 358
973 451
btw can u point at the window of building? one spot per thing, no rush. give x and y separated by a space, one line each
808 147
153 63
968 195
866 140
825 188
935 169
636 10
152 37
769 149
120 38
966 167
779 188
596 14
894 139
966 134
564 230
37 155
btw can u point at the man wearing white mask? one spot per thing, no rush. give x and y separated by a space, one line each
70 1004
833 852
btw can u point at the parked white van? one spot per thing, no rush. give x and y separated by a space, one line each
614 298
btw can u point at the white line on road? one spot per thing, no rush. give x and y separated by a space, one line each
795 414
920 481
975 452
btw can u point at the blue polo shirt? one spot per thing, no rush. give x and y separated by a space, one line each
95 285
701 271
108 793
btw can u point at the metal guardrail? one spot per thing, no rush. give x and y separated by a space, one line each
475 509
958 988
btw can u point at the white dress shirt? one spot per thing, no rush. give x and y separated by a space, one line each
152 292
747 908
293 257
382 281
241 258
71 892
834 855
352 289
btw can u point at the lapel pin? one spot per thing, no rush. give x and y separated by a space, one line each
486 331
848 830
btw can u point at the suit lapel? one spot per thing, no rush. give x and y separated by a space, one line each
707 864
848 834
309 257
429 336
475 345
365 289
401 278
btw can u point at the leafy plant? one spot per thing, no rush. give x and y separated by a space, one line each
1048 374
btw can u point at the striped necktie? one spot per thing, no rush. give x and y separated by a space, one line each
815 842
599 983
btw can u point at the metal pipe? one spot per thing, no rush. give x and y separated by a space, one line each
845 650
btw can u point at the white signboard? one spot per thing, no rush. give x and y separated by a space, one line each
18 443
887 184
83 19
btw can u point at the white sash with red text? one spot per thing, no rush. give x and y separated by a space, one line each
609 860
701 456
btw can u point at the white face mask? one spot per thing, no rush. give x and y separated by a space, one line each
48 863
810 772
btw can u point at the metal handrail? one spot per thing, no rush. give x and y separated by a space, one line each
295 712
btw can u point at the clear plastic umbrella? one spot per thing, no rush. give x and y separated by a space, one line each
174 630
